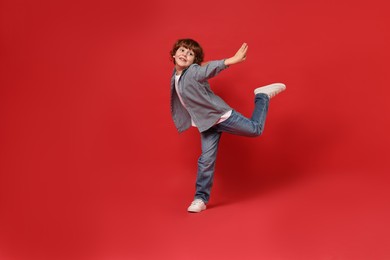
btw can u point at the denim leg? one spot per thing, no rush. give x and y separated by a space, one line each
206 163
235 124
261 109
240 125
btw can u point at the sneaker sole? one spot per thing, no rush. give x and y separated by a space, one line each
272 86
195 211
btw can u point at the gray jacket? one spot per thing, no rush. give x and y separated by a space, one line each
202 105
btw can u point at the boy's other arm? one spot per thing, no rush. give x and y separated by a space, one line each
240 55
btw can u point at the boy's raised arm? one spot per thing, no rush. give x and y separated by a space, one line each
240 55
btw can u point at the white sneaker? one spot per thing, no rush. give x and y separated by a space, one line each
197 206
271 90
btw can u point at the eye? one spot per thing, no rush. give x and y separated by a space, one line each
191 54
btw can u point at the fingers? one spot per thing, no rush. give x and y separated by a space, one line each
243 50
239 56
244 47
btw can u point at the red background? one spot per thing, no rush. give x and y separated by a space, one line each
93 168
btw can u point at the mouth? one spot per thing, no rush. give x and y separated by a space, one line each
182 59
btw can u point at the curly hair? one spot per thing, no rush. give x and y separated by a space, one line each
189 44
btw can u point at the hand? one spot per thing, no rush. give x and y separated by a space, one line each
240 55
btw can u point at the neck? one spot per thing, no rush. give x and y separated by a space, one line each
179 69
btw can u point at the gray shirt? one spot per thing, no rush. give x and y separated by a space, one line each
201 104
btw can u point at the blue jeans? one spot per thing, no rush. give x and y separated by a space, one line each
236 124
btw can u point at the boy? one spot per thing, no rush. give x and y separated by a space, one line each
194 103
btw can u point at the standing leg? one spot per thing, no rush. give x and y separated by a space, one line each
206 164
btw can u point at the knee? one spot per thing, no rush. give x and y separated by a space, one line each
257 134
205 161
258 131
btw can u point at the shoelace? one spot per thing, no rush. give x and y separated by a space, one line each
275 93
196 202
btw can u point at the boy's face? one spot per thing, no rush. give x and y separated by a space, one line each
184 58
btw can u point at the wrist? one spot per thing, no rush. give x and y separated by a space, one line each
229 61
